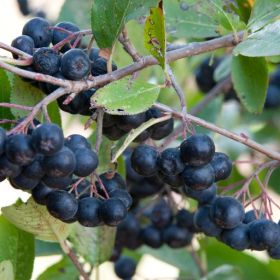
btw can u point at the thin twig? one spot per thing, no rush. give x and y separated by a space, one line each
198 262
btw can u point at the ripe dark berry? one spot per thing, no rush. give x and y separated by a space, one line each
144 189
113 133
94 54
129 122
272 99
176 237
222 166
87 214
62 205
112 211
144 160
109 120
23 43
173 181
61 164
203 222
205 75
184 218
39 30
99 66
250 216
152 236
161 215
24 183
19 150
198 177
203 197
57 182
170 163
113 183
2 140
142 137
23 7
160 132
75 64
237 238
76 141
47 139
8 169
34 169
40 193
197 150
130 225
59 35
86 162
125 267
274 252
46 61
227 212
131 175
123 196
264 234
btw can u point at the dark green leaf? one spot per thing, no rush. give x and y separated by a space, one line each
24 93
95 245
77 12
265 42
54 113
16 246
63 270
125 97
5 92
154 34
264 11
218 253
109 16
250 80
34 218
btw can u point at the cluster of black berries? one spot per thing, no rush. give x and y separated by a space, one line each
114 127
54 169
68 61
160 226
194 164
205 80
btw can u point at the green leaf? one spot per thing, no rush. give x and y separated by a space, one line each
24 93
77 12
250 81
154 34
6 270
109 16
17 246
54 113
35 219
125 97
95 245
5 92
223 69
186 19
224 272
135 132
264 11
63 270
218 253
265 42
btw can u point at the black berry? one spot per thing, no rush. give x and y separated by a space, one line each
222 166
23 43
125 267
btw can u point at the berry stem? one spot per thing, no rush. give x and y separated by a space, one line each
101 185
15 50
198 262
18 62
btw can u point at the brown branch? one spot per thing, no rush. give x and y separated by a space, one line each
128 46
14 50
71 254
239 138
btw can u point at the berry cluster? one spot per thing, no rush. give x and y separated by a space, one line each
205 81
114 127
160 227
69 61
194 164
52 167
74 63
